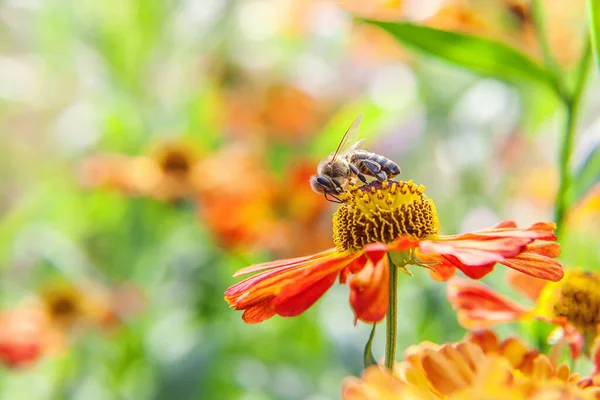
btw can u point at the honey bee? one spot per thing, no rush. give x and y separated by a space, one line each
342 167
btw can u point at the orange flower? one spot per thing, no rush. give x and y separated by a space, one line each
380 9
267 213
585 215
573 305
274 112
68 306
229 175
167 174
398 219
21 336
479 367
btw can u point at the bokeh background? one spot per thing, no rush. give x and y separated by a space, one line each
151 148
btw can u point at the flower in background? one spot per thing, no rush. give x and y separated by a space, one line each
573 305
23 336
235 194
87 304
380 9
479 367
301 215
289 114
175 164
277 111
381 218
461 17
166 174
585 215
45 324
267 214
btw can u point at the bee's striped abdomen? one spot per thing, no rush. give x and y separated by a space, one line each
374 161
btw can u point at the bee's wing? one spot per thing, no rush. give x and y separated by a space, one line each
353 147
350 136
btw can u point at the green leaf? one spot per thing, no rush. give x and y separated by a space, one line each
368 358
483 56
594 16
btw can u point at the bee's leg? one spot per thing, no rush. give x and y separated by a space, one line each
358 173
337 200
337 185
375 169
382 176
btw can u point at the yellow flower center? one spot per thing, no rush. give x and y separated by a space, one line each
576 297
63 304
175 162
381 212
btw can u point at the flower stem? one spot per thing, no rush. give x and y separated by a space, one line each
391 320
571 103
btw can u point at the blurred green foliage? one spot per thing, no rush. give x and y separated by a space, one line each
88 77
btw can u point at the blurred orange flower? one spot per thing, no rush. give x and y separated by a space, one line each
22 339
300 215
394 217
479 367
276 111
68 306
379 9
573 305
43 325
267 214
167 174
585 215
234 196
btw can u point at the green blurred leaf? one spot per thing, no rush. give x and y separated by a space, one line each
483 56
368 358
594 16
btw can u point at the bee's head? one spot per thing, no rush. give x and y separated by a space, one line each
326 187
321 185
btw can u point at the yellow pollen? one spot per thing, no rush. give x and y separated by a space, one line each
576 297
381 212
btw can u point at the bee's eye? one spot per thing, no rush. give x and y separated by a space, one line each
323 181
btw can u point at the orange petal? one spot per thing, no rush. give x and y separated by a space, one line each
537 265
473 272
288 289
442 271
575 339
296 298
475 252
544 248
506 229
22 336
539 230
403 243
439 268
478 306
515 351
596 348
369 289
259 312
529 250
485 339
283 263
527 285
446 267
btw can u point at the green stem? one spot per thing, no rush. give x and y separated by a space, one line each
391 320
572 103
